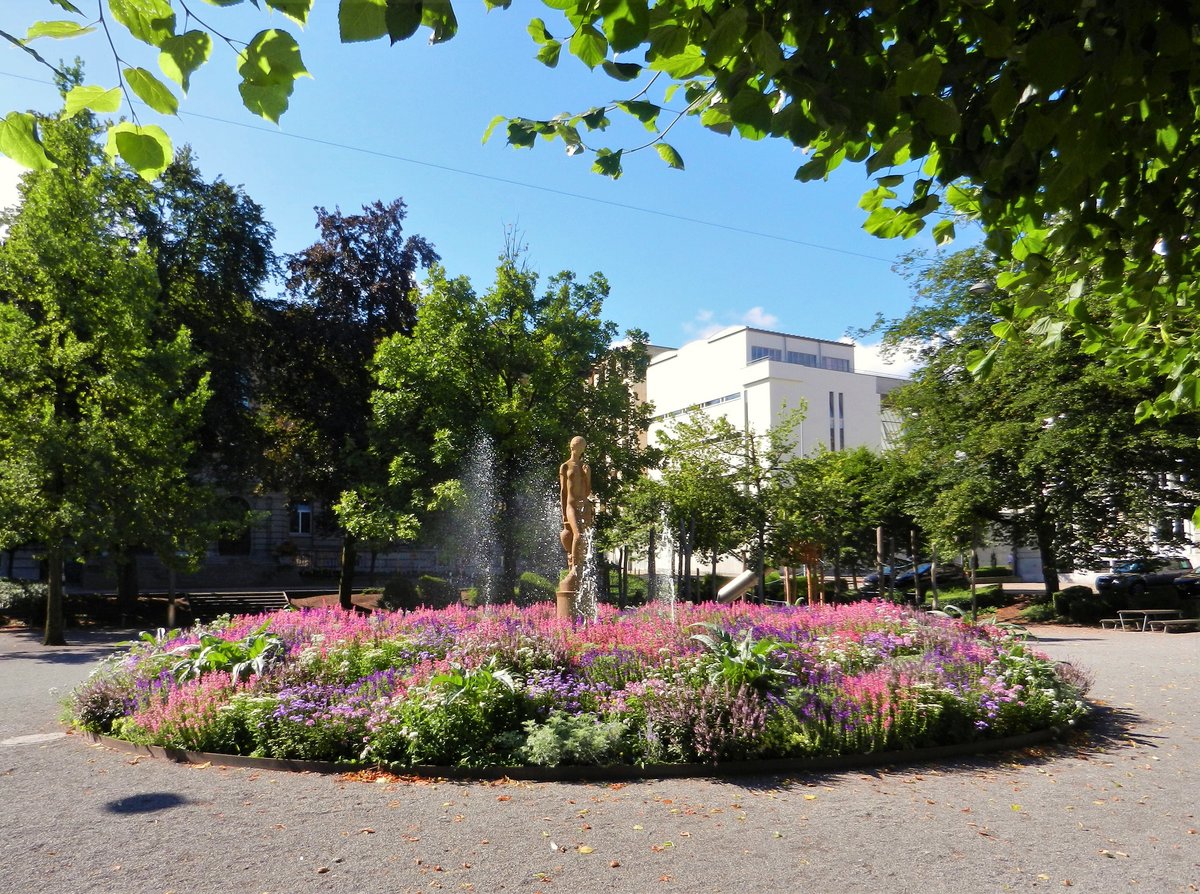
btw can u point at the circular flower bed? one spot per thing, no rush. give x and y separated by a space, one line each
514 687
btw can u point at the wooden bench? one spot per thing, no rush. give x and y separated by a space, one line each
209 606
1174 625
1112 623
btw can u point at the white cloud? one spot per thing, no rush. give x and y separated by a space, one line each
758 317
702 325
869 358
706 323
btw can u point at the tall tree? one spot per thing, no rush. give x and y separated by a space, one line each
97 410
347 293
528 371
1045 446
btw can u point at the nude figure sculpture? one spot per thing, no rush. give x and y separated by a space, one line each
575 490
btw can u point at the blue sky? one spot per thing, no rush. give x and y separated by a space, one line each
732 239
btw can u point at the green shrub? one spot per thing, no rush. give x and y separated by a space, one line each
23 599
773 585
1040 612
993 571
534 588
574 740
985 597
399 594
436 592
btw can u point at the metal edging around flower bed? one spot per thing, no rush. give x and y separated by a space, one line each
603 774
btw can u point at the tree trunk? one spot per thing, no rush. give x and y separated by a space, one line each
55 623
346 579
127 584
1045 542
713 594
919 594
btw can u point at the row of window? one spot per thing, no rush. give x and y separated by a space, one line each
737 395
799 358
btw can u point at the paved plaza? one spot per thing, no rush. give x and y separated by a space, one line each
1117 811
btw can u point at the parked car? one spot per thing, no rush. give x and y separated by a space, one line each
948 575
1137 575
870 582
1188 585
1086 577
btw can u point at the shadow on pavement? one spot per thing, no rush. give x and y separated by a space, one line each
146 802
83 646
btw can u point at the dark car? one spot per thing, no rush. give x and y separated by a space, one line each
1137 575
870 582
948 575
1188 585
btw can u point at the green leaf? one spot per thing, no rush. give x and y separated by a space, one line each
145 149
623 71
269 68
296 10
537 30
726 38
98 99
608 163
890 180
938 115
487 134
360 20
682 65
58 30
273 57
920 77
522 133
19 140
943 232
68 6
589 45
627 24
668 154
403 18
814 169
181 56
549 54
151 91
150 21
1052 60
438 16
645 112
268 100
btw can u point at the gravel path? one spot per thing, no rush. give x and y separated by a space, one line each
1118 813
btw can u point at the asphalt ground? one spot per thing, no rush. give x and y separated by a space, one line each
1115 810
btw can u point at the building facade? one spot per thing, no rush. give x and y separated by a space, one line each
754 377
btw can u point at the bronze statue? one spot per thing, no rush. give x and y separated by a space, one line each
575 490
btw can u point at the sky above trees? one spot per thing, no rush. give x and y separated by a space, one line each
408 121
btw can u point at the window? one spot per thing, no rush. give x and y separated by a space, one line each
832 442
758 352
301 518
837 364
801 359
841 421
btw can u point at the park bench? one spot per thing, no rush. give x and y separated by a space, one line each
208 606
1174 625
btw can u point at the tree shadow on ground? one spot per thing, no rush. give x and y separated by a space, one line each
83 646
146 802
1107 730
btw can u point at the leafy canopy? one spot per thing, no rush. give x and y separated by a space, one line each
1068 131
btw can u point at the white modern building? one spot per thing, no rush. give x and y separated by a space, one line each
754 376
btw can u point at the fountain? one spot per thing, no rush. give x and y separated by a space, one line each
480 519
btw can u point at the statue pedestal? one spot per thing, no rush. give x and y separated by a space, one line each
566 604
